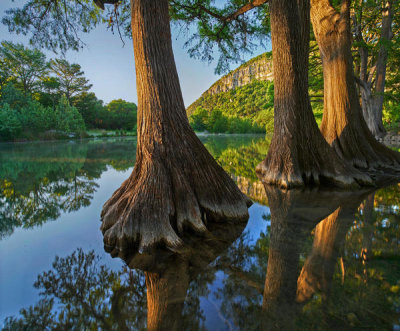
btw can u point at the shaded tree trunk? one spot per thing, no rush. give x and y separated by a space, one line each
343 125
372 90
298 154
175 182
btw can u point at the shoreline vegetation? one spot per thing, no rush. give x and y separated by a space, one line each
104 134
51 108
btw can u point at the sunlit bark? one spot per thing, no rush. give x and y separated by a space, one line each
175 184
298 154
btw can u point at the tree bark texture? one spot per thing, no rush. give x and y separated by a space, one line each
372 82
298 154
343 125
175 182
329 237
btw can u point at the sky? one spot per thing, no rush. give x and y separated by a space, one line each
110 67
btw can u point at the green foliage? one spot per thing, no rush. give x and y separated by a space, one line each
231 37
70 77
25 67
10 124
391 115
54 24
35 105
68 117
89 107
247 109
80 294
117 115
25 118
216 122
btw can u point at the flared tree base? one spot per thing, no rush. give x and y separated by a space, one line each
312 163
166 196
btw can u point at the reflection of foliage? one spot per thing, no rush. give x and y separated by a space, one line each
370 293
80 294
39 181
369 296
245 268
389 197
243 161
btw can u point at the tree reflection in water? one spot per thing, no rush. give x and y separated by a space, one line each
78 293
324 263
39 183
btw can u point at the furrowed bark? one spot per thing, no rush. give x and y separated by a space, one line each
343 125
373 83
175 184
298 154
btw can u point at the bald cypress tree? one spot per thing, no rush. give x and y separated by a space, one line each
175 184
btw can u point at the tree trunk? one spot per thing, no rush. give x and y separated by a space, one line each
372 101
380 79
329 237
298 154
168 274
343 125
175 182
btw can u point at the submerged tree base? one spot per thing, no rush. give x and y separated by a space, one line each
308 161
165 195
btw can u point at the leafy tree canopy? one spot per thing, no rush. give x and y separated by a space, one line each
70 77
230 26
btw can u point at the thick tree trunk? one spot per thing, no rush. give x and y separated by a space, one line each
343 125
329 238
175 182
298 154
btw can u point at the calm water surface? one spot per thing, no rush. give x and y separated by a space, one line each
304 260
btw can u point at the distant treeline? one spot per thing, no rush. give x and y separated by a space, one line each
42 99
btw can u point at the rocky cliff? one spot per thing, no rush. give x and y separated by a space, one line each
258 68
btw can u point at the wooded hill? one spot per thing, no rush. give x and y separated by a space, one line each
243 100
246 96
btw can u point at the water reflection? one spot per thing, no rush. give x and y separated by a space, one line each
316 259
39 183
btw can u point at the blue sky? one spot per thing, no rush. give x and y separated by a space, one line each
110 67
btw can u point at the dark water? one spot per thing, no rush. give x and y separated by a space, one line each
304 260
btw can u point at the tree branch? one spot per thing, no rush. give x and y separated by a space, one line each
245 8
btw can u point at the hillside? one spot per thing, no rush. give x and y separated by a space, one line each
242 101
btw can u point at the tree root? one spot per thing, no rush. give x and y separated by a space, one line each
161 200
289 170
